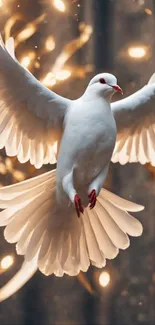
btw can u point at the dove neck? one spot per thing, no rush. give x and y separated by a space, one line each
91 94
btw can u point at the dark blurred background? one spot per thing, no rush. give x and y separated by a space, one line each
64 43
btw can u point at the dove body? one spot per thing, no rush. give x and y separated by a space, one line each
86 147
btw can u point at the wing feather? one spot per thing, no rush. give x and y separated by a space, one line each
31 116
135 120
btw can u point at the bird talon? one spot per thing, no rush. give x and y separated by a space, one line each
92 199
78 205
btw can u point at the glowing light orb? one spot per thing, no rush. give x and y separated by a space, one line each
148 11
50 44
63 74
27 59
137 52
25 62
6 262
49 80
59 5
104 279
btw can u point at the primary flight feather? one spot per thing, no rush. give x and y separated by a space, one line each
83 135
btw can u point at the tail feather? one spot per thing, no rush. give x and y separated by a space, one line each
55 238
117 236
123 219
95 254
104 242
84 257
122 204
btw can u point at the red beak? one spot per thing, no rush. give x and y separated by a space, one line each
118 88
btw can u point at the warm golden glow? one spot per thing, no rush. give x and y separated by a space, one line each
148 11
137 52
25 34
50 44
55 147
29 30
59 5
104 279
10 23
3 170
72 47
19 175
8 164
58 73
6 262
49 80
1 3
63 74
26 60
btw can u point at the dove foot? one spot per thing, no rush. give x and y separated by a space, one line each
78 205
92 199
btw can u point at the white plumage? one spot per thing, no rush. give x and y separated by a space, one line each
40 214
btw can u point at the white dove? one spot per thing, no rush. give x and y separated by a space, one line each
40 214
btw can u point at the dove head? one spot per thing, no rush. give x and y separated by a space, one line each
103 84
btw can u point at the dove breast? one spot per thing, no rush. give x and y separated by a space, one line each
88 140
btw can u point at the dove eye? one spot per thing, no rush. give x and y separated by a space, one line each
102 81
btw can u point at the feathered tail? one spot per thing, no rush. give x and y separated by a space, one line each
55 240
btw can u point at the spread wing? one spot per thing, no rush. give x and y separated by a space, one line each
31 116
135 120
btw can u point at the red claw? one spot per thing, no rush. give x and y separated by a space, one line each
78 205
92 199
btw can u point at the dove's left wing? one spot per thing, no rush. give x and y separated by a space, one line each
135 120
31 116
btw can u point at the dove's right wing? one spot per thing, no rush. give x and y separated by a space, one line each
135 120
31 116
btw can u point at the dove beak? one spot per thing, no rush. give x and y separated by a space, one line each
118 88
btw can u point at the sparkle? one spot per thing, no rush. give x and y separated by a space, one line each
63 74
148 11
104 279
50 44
137 52
27 59
6 262
59 5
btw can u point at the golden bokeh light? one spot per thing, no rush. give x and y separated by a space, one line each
19 175
49 80
25 62
3 169
71 47
148 11
10 24
6 262
59 5
29 30
63 75
27 59
8 164
104 279
1 3
50 44
137 52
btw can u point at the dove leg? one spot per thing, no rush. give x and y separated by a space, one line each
95 187
69 189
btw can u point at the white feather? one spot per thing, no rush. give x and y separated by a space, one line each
135 117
